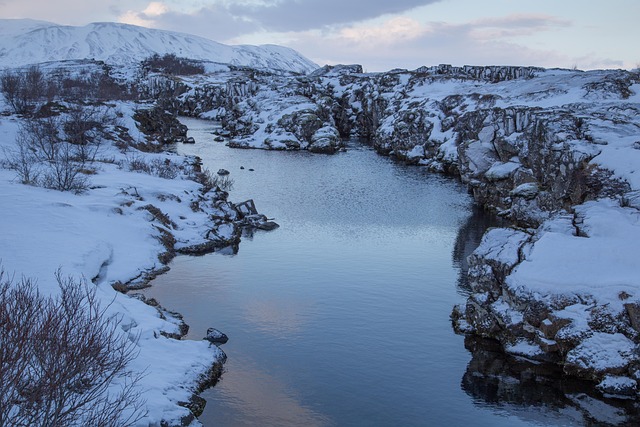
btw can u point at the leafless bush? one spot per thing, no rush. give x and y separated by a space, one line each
85 127
162 168
171 64
95 86
210 180
64 360
54 151
42 158
137 163
24 89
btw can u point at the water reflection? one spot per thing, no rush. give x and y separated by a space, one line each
340 316
538 391
280 319
532 392
257 398
468 238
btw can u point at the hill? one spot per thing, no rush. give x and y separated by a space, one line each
24 42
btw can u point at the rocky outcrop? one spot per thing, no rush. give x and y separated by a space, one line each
216 337
160 125
538 147
406 136
493 73
586 326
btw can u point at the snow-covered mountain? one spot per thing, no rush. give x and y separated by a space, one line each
26 41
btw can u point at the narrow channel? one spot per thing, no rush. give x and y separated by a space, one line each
341 315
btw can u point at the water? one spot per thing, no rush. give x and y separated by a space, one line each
340 316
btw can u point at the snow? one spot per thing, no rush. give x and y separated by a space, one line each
480 156
24 42
556 263
501 245
524 348
586 257
528 190
103 235
612 384
603 351
501 170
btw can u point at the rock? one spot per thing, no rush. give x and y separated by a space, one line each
196 405
223 172
190 140
633 311
160 125
618 386
601 354
527 191
214 336
268 226
325 140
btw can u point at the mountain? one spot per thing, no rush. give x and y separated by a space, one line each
24 42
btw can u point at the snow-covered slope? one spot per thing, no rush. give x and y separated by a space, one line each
25 42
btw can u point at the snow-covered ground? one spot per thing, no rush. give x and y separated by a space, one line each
103 235
558 153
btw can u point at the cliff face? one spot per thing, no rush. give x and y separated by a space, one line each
554 152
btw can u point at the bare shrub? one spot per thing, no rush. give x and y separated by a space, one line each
23 89
97 86
65 173
171 64
85 127
162 168
64 360
210 180
42 158
54 151
10 84
165 168
24 162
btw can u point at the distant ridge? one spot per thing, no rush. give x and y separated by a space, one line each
25 41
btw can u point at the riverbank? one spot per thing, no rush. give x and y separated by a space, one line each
118 234
555 152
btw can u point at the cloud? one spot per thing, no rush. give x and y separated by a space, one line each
225 19
300 15
396 30
146 18
155 9
406 43
515 25
68 12
212 22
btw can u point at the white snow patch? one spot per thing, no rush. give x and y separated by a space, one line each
603 351
524 348
601 265
501 170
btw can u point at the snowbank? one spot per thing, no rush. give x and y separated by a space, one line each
105 235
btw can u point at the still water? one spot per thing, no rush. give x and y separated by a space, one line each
341 315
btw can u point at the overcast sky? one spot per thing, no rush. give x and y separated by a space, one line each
386 34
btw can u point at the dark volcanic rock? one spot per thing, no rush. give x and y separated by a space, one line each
215 336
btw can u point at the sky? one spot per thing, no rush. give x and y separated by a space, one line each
381 34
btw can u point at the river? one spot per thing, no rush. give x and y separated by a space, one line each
341 315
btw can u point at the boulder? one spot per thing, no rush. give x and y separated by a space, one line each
216 337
